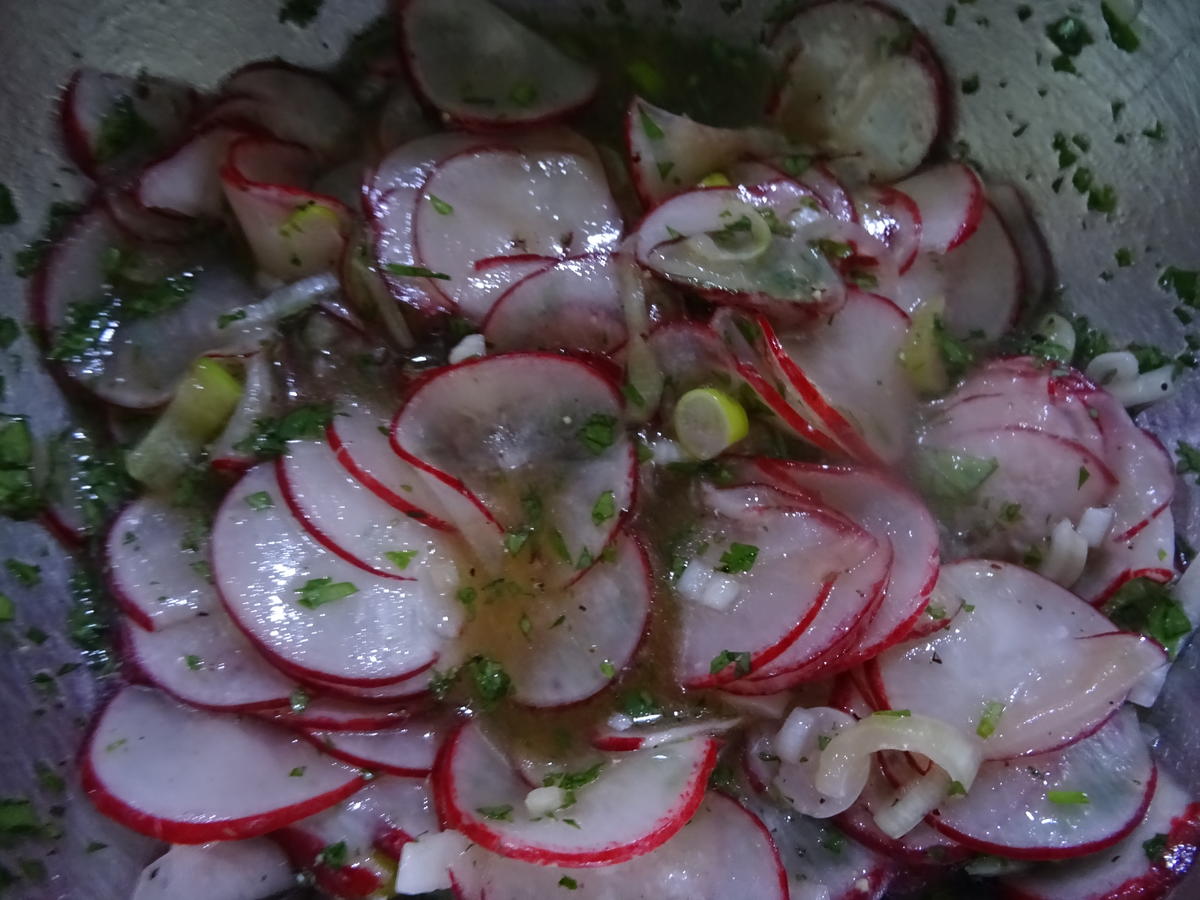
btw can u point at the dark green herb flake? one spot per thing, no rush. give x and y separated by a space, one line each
1120 32
8 208
317 592
122 129
300 12
414 271
598 433
740 660
1148 607
738 558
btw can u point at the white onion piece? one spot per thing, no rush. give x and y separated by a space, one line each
846 760
469 347
1095 524
1148 387
798 746
289 300
1066 556
912 803
1058 330
425 862
545 800
1111 368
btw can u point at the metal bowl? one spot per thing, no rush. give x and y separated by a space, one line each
1008 125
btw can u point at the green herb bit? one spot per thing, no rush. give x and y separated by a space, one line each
1184 283
515 539
651 128
408 271
598 433
937 613
1103 199
738 558
957 356
8 609
440 206
298 700
1188 459
952 478
1148 607
833 841
1070 35
524 94
1124 257
316 592
226 319
893 713
300 12
573 781
122 129
1120 31
491 683
956 789
568 882
496 813
193 662
297 772
607 669
271 436
640 704
1084 475
401 558
8 208
604 508
259 501
27 574
970 84
17 817
740 660
57 218
1067 798
1156 848
823 741
992 711
334 855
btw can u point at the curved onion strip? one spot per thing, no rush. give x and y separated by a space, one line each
912 803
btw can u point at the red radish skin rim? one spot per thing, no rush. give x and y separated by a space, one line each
897 197
1162 576
454 818
386 719
38 314
780 871
978 204
231 172
376 487
313 736
175 832
79 151
489 262
248 129
70 539
310 527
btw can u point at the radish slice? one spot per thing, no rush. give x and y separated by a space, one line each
892 218
358 437
225 870
260 399
1039 480
499 200
188 777
644 737
1129 869
262 558
401 118
345 517
291 231
575 305
379 819
847 371
1015 212
891 513
951 203
655 791
413 689
670 153
139 223
409 749
326 713
571 645
186 182
862 85
208 663
983 282
294 104
822 862
72 272
512 75
724 851
799 744
493 432
1010 811
829 189
799 553
156 567
1148 554
112 123
1142 464
1024 660
746 245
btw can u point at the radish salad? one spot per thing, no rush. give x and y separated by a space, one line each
529 489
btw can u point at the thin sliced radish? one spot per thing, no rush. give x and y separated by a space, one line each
821 861
223 870
139 223
414 689
207 662
847 371
892 513
892 217
575 305
260 400
1011 810
294 104
495 431
511 75
724 851
572 644
156 564
1143 466
862 85
1024 661
1151 860
400 119
379 819
1038 481
409 749
188 777
643 737
1148 554
292 231
951 202
983 282
345 517
72 272
501 201
637 802
800 553
359 439
747 245
262 559
113 122
830 190
186 182
327 713
1016 213
669 153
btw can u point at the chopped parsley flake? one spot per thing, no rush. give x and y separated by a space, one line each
1189 459
1120 32
956 789
27 574
297 772
122 129
1084 475
740 660
8 209
607 669
316 592
524 94
568 882
952 478
1155 848
604 508
401 558
1183 283
414 271
259 501
496 813
193 662
598 433
640 705
440 206
8 609
271 435
334 855
893 713
1067 798
57 219
1150 608
1070 35
651 128
738 558
992 711
298 700
300 12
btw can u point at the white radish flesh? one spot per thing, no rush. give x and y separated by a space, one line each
983 281
799 744
187 182
639 737
226 870
190 777
951 201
